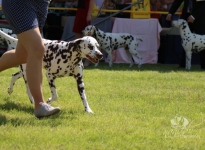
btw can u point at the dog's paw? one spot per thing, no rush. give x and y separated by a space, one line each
49 101
10 90
130 65
88 110
31 100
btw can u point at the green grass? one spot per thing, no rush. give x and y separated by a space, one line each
132 108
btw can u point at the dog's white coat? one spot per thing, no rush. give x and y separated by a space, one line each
191 42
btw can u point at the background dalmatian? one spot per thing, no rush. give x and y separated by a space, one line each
62 59
112 41
192 43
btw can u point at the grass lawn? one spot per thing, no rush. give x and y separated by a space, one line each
157 107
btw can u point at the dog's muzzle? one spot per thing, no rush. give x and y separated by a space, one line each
88 34
100 56
95 59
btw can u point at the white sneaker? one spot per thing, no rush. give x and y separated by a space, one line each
46 110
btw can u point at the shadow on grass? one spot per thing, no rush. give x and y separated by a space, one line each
3 120
162 68
16 120
13 121
10 105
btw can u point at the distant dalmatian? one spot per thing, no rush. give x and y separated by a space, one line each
62 59
192 43
112 41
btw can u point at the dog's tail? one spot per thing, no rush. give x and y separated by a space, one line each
139 39
6 36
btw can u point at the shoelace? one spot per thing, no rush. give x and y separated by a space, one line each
47 106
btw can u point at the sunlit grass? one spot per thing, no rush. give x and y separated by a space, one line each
132 110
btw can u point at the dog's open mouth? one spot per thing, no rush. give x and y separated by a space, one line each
88 34
93 60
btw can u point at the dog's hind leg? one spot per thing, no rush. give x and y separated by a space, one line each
51 82
140 62
133 50
139 58
130 56
15 77
188 60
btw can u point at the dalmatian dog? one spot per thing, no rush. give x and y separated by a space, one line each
62 59
112 41
191 42
12 40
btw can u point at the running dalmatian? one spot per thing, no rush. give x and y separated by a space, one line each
61 59
192 43
112 41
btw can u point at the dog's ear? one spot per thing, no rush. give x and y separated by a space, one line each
184 24
75 44
96 29
78 41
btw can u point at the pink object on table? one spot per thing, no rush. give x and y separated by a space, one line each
148 30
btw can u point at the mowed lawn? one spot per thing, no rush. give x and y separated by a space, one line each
156 107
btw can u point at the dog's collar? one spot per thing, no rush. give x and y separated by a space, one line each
183 25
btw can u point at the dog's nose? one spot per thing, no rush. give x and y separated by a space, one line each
89 34
99 56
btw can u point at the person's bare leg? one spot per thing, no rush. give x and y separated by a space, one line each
13 58
30 50
32 42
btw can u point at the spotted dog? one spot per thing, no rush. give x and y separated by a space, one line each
112 41
11 41
192 43
62 59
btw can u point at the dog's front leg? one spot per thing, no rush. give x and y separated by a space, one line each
15 77
188 60
109 52
27 88
51 82
81 90
23 71
96 64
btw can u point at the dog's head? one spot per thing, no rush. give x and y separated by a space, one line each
90 49
179 23
89 30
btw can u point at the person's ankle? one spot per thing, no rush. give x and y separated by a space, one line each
38 105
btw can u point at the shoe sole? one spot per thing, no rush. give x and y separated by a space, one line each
57 111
